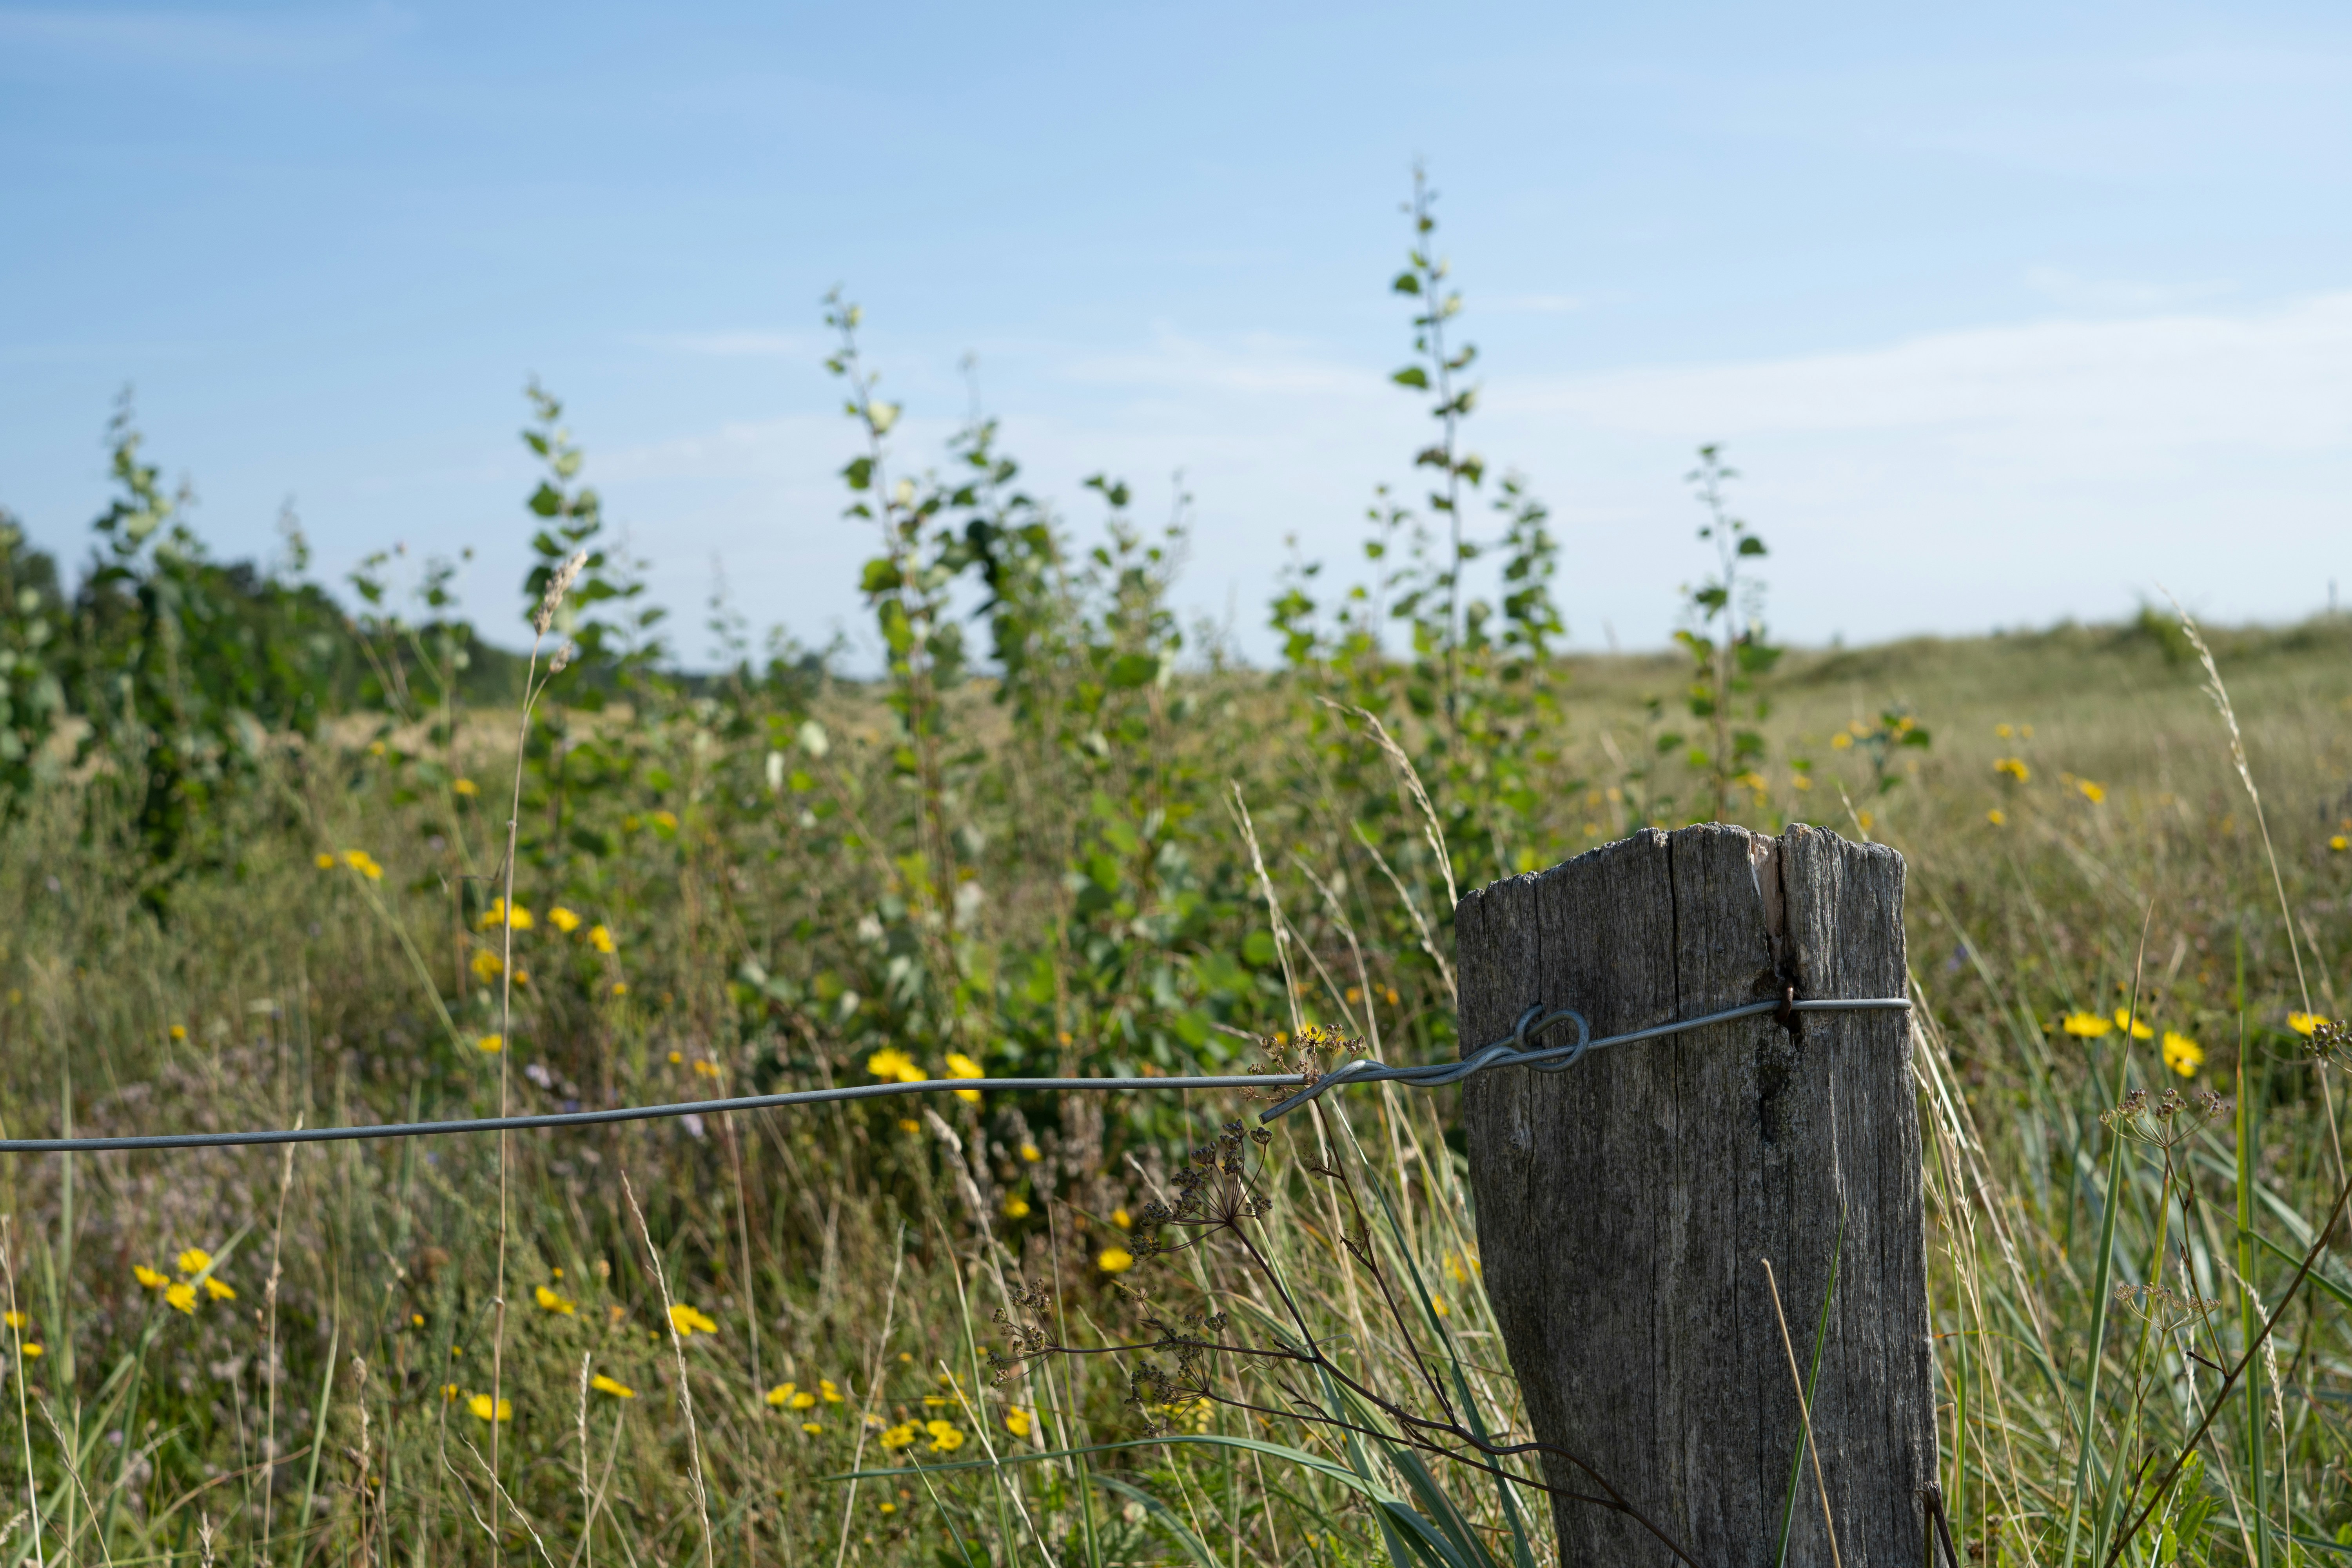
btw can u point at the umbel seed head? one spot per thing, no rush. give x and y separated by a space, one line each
557 586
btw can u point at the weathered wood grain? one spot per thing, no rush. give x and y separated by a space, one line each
1623 1205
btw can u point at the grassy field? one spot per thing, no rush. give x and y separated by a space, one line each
251 1355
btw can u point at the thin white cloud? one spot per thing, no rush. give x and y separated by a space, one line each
1536 304
728 344
2275 378
2117 296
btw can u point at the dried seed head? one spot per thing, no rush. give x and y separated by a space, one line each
558 585
562 657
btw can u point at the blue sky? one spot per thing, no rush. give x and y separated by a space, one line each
2005 315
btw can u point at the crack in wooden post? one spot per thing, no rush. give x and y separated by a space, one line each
1621 1204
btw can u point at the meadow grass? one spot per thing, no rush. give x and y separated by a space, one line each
707 1322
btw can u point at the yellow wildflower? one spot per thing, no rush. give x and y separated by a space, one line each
2305 1024
1018 1422
490 1045
218 1290
909 1124
2181 1054
2089 1026
666 821
945 1438
963 1065
179 1031
603 1384
781 1394
601 939
416 1319
467 787
1031 1153
496 913
1016 1209
449 1392
1115 1260
325 862
891 1062
480 1405
195 1261
2339 844
2014 767
804 1399
549 1301
2139 1030
2002 731
360 860
148 1279
1122 1220
687 1320
30 1351
1840 743
15 1320
2093 793
181 1299
811 1429
832 1394
897 1437
487 965
564 920
1998 817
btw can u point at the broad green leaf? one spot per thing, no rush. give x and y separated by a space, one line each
1412 375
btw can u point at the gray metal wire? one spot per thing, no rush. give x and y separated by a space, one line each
1513 1050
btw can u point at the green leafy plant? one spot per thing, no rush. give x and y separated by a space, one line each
1730 653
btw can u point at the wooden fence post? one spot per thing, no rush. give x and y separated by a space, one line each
1625 1205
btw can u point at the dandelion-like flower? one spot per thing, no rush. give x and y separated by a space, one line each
2087 1025
487 965
2093 793
897 1437
466 787
219 1290
2015 768
603 1384
564 920
549 1301
2181 1054
195 1261
2305 1024
360 860
181 1299
945 1438
1122 1220
781 1394
490 1045
963 1065
687 1320
1115 1260
891 1062
149 1278
1016 1209
1018 1421
481 1406
517 919
602 940
2140 1030
1032 1153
